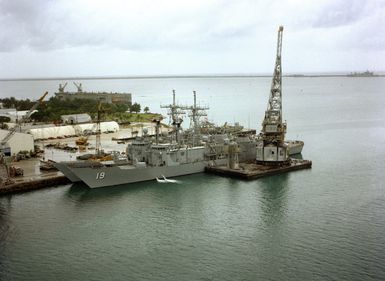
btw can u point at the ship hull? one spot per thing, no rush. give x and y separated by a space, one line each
63 167
124 174
295 147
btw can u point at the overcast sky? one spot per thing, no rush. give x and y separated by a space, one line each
43 38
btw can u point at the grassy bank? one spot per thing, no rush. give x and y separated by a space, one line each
126 117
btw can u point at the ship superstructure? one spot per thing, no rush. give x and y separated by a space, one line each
146 159
176 113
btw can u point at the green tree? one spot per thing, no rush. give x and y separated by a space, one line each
146 109
121 107
135 108
4 119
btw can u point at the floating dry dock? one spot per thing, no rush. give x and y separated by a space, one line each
253 171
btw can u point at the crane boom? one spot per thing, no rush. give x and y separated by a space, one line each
272 127
272 150
12 131
30 112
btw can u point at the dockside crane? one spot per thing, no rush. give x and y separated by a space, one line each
12 131
272 150
98 146
5 160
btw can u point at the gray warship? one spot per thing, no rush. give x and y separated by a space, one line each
145 159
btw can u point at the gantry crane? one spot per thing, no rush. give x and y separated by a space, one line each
271 149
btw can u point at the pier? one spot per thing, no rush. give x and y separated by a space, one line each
32 179
28 184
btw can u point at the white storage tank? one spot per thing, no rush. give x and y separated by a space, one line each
109 127
52 132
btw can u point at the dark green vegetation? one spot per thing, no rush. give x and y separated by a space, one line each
18 104
4 119
51 110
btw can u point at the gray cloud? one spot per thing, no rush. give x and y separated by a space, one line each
43 25
48 25
22 23
339 13
200 34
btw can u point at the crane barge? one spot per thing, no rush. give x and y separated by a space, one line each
272 153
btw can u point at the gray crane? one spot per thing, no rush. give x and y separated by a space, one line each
12 131
272 150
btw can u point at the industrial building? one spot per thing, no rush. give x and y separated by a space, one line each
54 132
115 98
15 115
90 128
18 142
76 118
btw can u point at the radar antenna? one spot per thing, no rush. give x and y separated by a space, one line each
196 111
175 112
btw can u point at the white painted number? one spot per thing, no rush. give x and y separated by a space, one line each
100 176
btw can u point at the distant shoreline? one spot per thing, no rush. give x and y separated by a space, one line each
182 76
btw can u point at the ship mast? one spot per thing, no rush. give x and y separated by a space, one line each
175 112
272 149
195 113
98 146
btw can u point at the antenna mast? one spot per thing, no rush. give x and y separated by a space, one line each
175 112
196 112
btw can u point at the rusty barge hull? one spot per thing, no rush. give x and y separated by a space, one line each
250 171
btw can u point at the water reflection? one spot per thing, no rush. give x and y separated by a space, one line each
275 234
274 198
5 225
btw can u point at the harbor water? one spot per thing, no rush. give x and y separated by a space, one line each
324 223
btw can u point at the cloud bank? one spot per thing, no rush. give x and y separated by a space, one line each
159 37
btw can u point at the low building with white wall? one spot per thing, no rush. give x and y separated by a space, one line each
18 142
